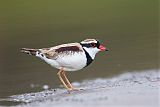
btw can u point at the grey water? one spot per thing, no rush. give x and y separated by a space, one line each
129 29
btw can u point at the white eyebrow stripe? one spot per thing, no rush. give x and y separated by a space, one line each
87 41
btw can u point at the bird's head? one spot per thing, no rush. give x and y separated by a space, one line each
92 46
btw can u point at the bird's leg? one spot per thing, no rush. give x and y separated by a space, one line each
68 82
61 79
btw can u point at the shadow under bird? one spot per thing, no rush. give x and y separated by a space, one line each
68 57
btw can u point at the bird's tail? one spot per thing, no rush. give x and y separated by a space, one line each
29 51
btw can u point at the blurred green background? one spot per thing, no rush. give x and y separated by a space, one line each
129 28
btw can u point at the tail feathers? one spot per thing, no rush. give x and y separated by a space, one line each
29 51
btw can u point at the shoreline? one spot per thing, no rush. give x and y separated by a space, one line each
136 89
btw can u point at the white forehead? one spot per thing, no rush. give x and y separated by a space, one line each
89 41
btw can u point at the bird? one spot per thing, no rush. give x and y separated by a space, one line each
68 57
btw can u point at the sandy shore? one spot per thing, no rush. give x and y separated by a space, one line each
126 90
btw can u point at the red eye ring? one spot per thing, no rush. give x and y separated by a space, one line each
93 44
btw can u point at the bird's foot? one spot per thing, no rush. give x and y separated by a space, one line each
77 89
74 89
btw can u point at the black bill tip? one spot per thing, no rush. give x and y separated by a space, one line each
107 50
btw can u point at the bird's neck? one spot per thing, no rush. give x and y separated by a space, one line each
91 53
89 58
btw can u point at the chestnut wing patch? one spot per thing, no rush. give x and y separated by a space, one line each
68 49
61 51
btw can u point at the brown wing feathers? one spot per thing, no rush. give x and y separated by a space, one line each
53 51
61 50
68 48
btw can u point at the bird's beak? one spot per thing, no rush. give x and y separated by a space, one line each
102 48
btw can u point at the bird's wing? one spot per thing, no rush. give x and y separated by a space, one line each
61 50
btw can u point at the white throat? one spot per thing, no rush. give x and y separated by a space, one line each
92 51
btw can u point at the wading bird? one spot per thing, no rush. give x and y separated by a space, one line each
68 57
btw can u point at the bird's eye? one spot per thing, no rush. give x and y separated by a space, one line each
93 44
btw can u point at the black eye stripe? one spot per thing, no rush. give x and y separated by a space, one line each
91 45
86 45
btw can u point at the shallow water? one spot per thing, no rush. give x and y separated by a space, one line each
128 28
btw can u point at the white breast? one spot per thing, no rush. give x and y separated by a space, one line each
69 62
73 62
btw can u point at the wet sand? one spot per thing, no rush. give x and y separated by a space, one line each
129 89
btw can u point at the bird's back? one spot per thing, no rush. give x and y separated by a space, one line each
70 57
